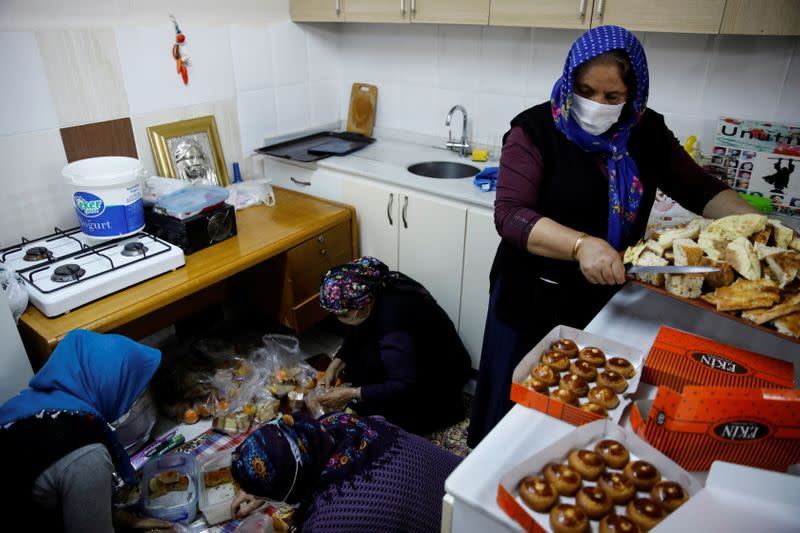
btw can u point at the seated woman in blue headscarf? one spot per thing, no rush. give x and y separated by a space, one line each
578 177
59 451
402 352
345 473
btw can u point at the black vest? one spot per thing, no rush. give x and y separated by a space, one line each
574 192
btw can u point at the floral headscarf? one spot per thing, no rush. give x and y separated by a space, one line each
624 188
352 285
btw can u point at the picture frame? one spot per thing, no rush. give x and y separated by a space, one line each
189 150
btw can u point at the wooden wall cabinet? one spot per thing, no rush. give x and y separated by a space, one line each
680 16
317 10
575 14
392 11
767 17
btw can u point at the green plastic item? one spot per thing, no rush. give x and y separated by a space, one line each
759 202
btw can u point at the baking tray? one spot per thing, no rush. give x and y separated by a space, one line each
317 146
702 304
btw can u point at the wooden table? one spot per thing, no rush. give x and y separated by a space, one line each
264 233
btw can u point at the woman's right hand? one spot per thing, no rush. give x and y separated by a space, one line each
331 373
244 504
600 263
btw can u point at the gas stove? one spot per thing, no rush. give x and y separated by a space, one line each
67 269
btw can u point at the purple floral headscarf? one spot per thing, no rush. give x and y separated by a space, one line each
624 188
352 285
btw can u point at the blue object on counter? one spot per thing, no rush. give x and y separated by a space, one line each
487 179
237 174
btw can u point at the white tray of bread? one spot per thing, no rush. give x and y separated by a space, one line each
758 258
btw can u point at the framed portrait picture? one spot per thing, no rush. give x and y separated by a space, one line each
189 150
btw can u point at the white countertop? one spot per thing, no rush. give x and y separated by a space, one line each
386 160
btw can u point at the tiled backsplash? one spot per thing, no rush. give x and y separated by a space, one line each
272 78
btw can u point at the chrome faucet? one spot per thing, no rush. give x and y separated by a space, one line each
462 146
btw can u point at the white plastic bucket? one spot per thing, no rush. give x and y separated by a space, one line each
107 194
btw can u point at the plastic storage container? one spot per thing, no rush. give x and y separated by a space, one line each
175 506
215 502
107 194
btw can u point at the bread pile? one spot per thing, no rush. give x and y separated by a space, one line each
758 260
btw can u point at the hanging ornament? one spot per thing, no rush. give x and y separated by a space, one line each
181 60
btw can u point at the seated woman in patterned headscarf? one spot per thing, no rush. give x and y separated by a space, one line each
403 355
345 473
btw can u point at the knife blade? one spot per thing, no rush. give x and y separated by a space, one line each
669 269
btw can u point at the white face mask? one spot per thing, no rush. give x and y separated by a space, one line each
594 118
355 319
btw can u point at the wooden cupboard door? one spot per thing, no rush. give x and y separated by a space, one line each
377 215
450 11
317 10
431 246
398 11
480 246
767 17
307 263
681 16
575 14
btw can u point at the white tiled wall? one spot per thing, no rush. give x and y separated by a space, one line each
263 76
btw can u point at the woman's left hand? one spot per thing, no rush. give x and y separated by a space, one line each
128 521
335 399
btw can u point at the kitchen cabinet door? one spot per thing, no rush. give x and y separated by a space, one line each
480 246
680 16
450 11
768 17
377 216
431 246
397 11
576 14
317 10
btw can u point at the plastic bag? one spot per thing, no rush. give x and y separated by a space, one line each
14 287
251 192
157 186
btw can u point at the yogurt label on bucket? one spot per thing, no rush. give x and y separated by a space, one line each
118 212
89 205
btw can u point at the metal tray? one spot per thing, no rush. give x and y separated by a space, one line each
317 146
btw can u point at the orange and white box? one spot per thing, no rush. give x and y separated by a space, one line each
584 437
678 358
555 408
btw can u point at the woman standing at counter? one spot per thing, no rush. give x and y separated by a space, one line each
578 178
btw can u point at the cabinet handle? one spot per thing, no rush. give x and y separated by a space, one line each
303 183
581 9
402 8
414 8
338 8
389 208
323 251
600 8
405 206
321 239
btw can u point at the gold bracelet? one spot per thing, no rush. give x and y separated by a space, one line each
577 244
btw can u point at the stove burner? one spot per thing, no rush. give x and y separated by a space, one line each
37 253
65 273
133 249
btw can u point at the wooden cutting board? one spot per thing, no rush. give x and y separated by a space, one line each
361 115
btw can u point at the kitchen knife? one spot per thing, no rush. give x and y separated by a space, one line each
668 269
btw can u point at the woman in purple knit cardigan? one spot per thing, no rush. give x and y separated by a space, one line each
347 473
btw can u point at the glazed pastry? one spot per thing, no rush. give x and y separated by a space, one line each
613 453
583 369
588 464
594 501
619 488
535 383
565 346
615 523
621 365
545 374
566 518
564 478
669 495
591 407
575 384
556 360
538 493
613 379
645 512
604 395
593 356
642 474
566 396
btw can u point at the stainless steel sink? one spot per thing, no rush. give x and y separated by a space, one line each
443 169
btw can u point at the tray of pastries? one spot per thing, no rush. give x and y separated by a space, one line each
758 260
599 478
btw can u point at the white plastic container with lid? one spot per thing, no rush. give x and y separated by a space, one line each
107 194
174 505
